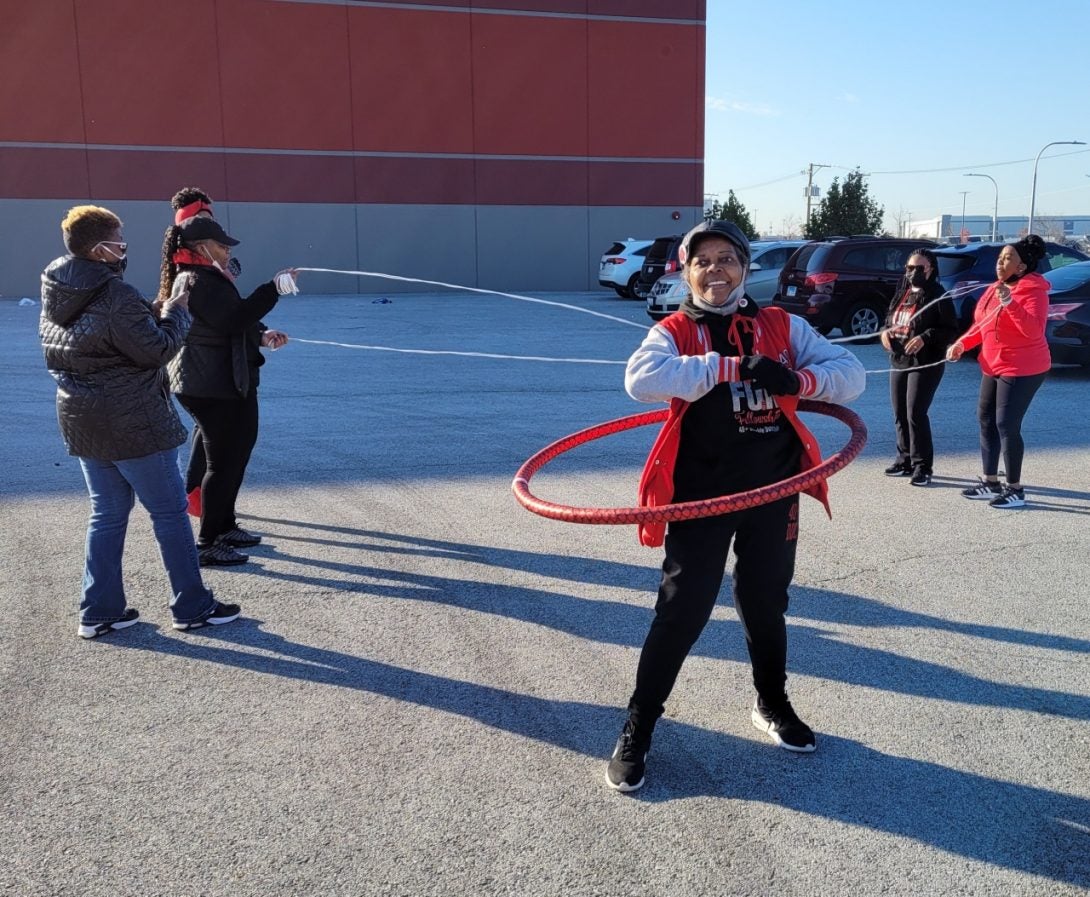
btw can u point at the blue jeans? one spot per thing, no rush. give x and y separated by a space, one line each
114 486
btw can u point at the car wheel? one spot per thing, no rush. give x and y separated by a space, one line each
861 319
630 290
622 292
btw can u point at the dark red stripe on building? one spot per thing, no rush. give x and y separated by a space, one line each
259 177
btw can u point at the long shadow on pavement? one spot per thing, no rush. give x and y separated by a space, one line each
1002 823
813 651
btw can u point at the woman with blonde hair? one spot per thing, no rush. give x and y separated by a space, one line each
107 348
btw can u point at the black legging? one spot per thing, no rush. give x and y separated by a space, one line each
228 431
1003 404
910 394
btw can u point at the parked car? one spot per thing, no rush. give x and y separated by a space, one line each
844 282
1068 328
767 259
620 266
968 270
661 259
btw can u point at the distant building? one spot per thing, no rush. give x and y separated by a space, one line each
949 228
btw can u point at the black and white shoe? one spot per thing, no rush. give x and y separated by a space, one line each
94 630
625 771
1009 498
221 613
920 478
220 554
783 726
239 538
898 469
983 489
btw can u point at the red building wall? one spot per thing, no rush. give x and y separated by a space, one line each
568 102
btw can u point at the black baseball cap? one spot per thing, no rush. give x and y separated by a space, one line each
728 230
201 228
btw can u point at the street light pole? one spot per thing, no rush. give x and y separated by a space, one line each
962 236
810 191
995 216
1033 192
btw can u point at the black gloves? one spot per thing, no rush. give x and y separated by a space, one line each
770 375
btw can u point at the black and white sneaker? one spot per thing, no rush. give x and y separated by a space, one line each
1009 498
920 478
220 554
983 489
94 630
221 613
629 760
898 469
239 538
783 726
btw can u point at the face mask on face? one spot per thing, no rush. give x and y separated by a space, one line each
120 259
917 279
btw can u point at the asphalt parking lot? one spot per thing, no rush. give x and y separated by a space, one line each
428 679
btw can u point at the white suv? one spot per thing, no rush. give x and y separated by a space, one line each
768 257
620 266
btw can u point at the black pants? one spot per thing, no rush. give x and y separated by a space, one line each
228 430
194 474
910 394
1003 403
765 539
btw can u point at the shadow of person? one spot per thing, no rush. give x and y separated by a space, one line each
1006 824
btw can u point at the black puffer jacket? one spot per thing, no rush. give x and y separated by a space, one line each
937 326
222 354
106 350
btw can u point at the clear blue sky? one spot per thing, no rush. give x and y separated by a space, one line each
912 87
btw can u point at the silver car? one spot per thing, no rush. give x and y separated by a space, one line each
767 258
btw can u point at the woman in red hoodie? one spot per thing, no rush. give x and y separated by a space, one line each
1009 326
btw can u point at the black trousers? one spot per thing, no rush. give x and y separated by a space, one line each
910 394
228 429
1003 403
765 539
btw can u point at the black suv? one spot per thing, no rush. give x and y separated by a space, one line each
845 282
968 270
661 259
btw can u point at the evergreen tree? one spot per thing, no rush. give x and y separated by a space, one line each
734 211
845 210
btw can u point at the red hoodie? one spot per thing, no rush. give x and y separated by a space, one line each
1012 338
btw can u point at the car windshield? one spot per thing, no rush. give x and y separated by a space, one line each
949 265
810 257
660 249
1069 277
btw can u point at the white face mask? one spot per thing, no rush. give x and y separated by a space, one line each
120 257
215 264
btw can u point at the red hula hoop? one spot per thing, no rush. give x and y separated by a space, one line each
689 510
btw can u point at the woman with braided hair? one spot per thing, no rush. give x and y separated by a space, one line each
1009 326
215 375
190 202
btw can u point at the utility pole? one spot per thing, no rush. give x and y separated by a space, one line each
961 233
810 190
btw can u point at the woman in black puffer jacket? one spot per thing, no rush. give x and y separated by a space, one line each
215 375
106 347
918 330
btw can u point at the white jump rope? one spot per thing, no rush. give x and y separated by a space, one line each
286 285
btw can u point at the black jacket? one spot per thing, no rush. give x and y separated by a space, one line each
937 327
106 350
222 354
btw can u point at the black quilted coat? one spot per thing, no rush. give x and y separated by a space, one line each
107 352
222 354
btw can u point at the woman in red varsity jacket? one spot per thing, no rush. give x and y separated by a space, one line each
733 374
